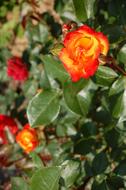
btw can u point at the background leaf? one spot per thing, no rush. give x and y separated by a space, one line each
43 108
118 86
18 184
84 9
80 10
46 178
70 172
100 163
105 76
78 95
54 68
36 160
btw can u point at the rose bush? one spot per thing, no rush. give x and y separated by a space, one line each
62 95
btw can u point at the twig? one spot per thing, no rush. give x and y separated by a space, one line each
113 63
110 61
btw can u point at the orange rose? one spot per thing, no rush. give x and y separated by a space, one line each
81 51
27 138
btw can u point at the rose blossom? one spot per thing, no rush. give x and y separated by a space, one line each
82 48
27 138
17 69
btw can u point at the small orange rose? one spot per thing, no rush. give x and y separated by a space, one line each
27 138
81 51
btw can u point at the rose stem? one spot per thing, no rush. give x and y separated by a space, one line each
112 61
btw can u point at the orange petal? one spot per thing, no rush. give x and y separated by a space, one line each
70 37
95 50
91 67
104 42
64 57
86 30
70 66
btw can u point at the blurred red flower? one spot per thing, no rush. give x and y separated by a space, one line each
17 69
6 121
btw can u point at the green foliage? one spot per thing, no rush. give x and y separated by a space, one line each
77 95
46 178
84 9
70 172
43 108
100 163
105 76
54 68
19 183
36 160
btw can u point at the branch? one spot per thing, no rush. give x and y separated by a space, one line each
111 62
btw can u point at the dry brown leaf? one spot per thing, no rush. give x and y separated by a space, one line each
18 46
47 6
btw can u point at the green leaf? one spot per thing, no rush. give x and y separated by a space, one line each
121 168
114 32
122 55
117 86
115 183
56 49
30 88
80 10
84 9
43 108
54 68
88 169
100 163
119 106
99 186
78 95
45 82
88 129
105 76
46 179
70 95
84 146
60 130
36 160
38 33
116 8
18 183
70 172
89 6
112 142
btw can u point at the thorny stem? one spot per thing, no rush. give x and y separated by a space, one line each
113 63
